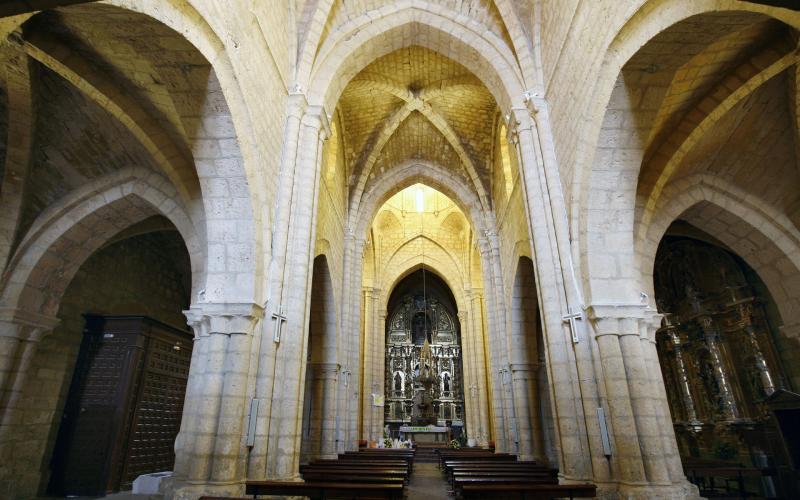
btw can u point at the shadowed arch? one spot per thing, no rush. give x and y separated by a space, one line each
431 264
608 223
753 230
65 235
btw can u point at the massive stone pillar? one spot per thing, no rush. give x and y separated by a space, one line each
267 348
20 334
293 297
644 460
570 366
210 449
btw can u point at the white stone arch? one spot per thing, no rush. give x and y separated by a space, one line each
430 174
375 34
70 231
432 264
756 231
230 219
615 219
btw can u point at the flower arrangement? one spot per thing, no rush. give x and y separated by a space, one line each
455 444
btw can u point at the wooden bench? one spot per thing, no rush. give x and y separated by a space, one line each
318 490
389 464
496 457
511 468
395 474
527 491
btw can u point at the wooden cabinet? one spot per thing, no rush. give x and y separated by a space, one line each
124 406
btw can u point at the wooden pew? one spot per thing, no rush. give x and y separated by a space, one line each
529 468
496 457
394 464
325 490
527 491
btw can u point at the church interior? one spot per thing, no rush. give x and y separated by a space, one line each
261 244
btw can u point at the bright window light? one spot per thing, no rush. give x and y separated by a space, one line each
420 201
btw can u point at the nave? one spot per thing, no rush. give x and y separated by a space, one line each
239 240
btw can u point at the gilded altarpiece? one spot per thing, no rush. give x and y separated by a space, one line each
717 354
412 321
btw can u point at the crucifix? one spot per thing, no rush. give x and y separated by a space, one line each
280 317
571 318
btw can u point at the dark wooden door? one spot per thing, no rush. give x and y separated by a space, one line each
124 407
97 406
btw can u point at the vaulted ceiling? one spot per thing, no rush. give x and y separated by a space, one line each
415 104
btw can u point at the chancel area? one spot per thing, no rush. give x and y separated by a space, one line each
400 249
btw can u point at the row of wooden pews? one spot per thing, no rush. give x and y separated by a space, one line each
374 474
474 473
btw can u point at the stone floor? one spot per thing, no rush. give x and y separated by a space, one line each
427 483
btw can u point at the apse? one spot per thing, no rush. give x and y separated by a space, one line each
422 311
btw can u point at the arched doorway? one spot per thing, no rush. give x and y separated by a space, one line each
422 310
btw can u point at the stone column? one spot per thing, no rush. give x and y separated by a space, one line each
368 365
481 366
497 354
570 367
210 450
266 354
528 411
380 373
468 374
626 453
20 334
509 411
323 412
670 451
644 452
287 397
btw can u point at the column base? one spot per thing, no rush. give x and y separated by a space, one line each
683 490
180 489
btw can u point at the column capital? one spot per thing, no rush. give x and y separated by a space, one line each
315 116
618 318
297 102
26 325
223 318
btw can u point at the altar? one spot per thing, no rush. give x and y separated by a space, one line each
425 433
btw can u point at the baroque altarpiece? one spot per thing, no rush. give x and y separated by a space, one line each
415 319
718 354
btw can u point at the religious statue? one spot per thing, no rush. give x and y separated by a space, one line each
422 412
